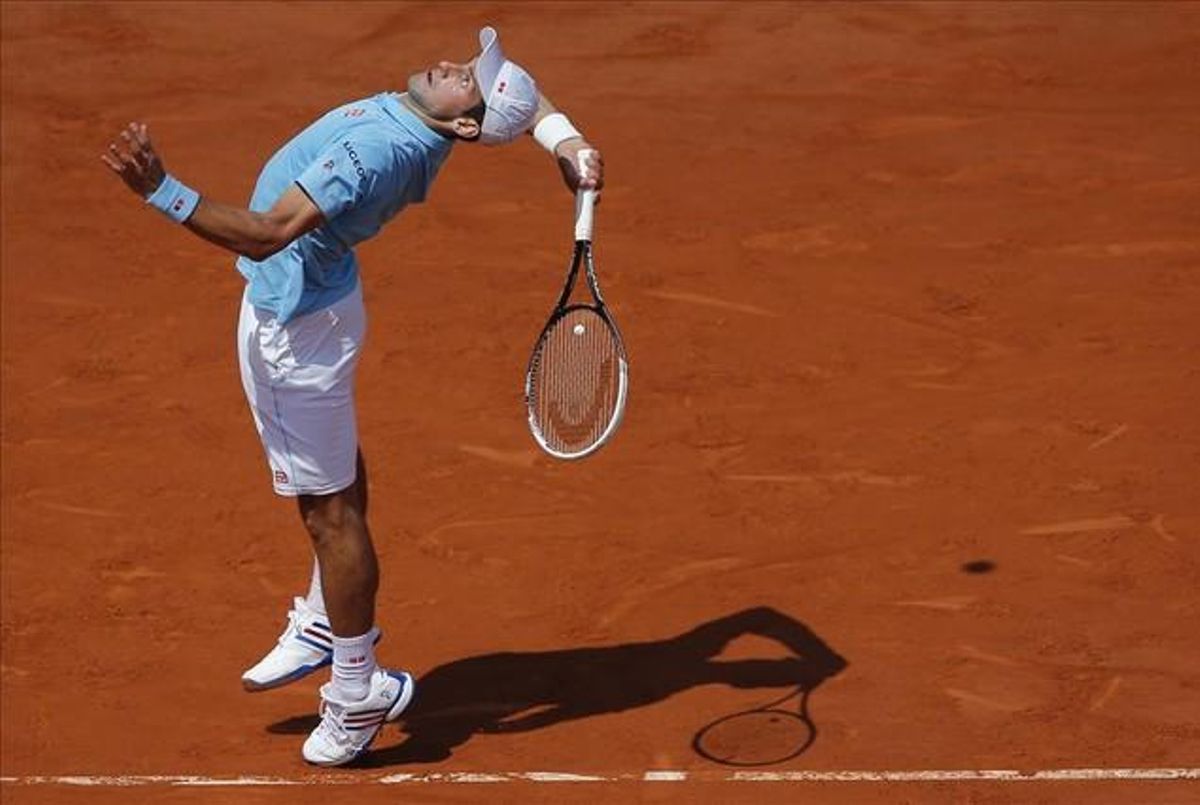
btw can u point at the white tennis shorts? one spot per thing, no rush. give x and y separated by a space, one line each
299 381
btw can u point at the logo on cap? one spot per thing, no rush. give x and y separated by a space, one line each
510 93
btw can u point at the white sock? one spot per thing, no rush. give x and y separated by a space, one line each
353 664
316 598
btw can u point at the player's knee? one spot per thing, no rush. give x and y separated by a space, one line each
325 518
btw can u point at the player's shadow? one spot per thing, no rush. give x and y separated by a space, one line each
517 692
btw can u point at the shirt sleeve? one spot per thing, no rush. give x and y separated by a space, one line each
343 175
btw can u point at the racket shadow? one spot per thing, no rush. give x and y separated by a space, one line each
767 735
516 692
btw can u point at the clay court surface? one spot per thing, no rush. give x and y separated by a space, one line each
911 298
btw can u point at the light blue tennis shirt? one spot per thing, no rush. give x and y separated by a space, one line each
360 164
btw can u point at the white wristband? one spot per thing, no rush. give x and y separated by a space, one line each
553 129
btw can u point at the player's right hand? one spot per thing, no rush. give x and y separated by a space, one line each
592 178
136 162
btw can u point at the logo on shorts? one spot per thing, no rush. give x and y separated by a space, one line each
500 88
328 165
281 477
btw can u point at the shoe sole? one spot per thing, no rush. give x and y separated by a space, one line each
401 704
250 686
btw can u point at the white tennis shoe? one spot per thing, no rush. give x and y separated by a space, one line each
347 728
305 646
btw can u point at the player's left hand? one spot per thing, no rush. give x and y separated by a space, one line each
137 163
568 162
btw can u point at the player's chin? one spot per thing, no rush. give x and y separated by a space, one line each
416 85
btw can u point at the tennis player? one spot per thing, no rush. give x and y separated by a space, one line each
302 326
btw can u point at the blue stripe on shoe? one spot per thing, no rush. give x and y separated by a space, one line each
309 641
403 697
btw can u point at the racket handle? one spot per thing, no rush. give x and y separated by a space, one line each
585 202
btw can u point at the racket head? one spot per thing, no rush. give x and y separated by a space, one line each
761 737
577 382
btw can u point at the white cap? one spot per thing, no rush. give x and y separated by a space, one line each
510 93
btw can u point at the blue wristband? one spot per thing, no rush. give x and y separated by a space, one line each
174 199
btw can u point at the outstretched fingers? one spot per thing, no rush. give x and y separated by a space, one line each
121 161
138 147
132 157
111 163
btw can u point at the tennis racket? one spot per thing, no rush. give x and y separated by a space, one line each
578 375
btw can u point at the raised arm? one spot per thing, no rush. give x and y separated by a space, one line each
554 132
256 235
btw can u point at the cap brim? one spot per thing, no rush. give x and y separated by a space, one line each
491 59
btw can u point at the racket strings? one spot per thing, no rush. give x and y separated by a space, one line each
576 382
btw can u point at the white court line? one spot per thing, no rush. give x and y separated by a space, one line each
654 775
662 776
